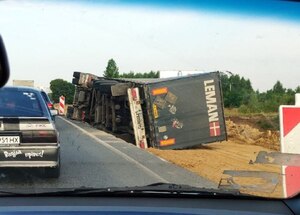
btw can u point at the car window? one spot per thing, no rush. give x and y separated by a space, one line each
198 93
15 103
46 98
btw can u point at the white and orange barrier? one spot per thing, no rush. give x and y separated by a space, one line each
290 143
61 109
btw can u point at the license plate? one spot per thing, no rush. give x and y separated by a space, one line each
9 139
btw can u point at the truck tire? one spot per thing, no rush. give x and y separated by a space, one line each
98 83
76 75
105 86
75 81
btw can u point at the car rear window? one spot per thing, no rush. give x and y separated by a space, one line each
16 103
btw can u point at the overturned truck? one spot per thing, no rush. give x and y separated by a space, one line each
172 113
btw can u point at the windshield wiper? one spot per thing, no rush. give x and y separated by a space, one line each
149 190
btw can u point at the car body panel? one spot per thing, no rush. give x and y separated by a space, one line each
29 156
27 141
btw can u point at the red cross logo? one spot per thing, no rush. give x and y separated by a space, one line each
214 128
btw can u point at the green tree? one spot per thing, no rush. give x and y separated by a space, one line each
112 71
289 97
131 74
60 87
273 98
127 75
253 106
236 90
278 88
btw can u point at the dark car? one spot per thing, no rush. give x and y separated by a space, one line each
28 137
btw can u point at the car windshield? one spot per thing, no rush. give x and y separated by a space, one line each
197 93
15 103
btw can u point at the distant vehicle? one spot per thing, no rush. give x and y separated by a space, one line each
23 83
28 137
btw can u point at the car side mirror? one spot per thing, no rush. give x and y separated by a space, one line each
4 67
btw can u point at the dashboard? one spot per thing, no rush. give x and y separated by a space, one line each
145 205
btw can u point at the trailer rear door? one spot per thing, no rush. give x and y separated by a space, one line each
186 111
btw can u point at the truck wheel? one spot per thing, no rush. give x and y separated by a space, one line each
76 75
98 83
106 88
52 172
75 81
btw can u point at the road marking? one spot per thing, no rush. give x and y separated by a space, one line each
126 157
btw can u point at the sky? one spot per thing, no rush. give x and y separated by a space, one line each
46 40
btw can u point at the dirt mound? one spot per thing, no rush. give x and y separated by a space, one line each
245 141
246 134
209 161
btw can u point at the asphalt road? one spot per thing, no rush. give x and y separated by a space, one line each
93 158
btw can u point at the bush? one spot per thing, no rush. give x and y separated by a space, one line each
269 123
61 87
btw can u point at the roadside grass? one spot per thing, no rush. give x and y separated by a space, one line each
229 112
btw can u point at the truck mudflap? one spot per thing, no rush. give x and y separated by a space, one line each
137 118
186 111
